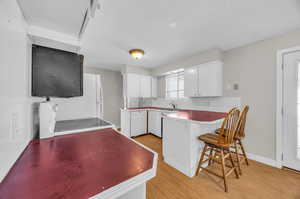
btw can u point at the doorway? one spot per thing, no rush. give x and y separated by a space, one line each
90 105
291 110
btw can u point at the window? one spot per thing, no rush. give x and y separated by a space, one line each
175 84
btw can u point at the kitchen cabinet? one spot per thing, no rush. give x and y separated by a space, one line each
154 87
136 85
204 80
125 122
133 123
138 123
191 82
154 122
145 86
132 82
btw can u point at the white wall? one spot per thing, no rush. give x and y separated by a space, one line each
112 83
15 103
136 69
253 67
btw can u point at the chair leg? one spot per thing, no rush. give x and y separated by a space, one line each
237 156
223 170
233 165
201 159
210 157
244 153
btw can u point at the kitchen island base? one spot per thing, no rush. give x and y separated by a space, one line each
181 146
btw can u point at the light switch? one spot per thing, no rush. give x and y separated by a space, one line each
235 86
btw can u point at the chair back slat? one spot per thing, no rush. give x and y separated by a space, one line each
242 122
229 126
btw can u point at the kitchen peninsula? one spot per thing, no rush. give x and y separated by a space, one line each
178 128
181 146
101 164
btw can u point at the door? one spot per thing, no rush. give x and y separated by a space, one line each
138 123
191 82
86 106
291 110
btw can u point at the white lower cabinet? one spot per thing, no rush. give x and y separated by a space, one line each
138 123
125 122
154 122
133 123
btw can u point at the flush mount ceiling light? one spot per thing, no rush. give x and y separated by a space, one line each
137 53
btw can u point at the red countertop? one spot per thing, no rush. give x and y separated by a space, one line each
154 108
201 116
75 166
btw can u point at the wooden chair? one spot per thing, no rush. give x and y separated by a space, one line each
218 146
238 147
240 134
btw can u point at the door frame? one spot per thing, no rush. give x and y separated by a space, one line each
279 103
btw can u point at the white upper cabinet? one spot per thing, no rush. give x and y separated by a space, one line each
145 86
132 82
205 80
136 85
154 87
191 82
210 79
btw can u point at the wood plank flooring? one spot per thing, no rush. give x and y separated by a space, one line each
258 181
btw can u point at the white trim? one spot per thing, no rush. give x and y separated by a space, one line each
279 103
264 160
82 130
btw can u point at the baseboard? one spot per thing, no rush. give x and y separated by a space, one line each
264 160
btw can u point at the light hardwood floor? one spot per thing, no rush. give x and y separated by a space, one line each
258 181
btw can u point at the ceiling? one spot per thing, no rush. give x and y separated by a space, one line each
167 30
64 16
200 25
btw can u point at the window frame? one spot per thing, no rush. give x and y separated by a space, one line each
179 75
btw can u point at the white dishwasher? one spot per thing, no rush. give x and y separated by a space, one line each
138 123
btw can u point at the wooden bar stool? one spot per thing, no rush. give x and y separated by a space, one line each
240 134
238 147
219 145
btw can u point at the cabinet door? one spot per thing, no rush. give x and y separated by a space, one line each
210 79
125 122
133 85
145 86
191 82
154 123
154 87
151 122
138 123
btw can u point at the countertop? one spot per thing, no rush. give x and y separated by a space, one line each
194 115
200 116
75 166
151 108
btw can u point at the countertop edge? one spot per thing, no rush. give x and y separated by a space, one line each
131 183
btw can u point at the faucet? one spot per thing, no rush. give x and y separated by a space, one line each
173 105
